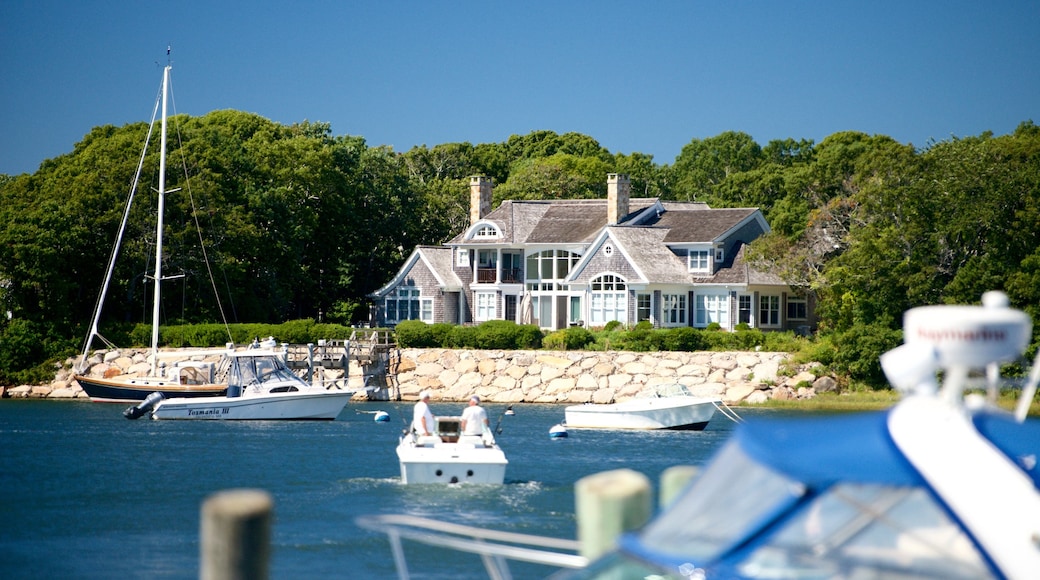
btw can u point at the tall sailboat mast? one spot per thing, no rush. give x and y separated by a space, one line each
159 226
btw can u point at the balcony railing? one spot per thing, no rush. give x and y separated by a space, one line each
509 275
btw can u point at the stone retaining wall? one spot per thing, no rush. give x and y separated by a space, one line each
530 376
600 377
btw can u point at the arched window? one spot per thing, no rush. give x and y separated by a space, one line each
608 300
486 231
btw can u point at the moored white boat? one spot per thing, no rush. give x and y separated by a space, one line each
669 406
448 457
260 387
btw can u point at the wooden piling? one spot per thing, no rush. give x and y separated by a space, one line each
674 480
609 503
236 535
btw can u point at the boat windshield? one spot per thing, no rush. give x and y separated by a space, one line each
743 517
734 497
666 390
854 530
252 370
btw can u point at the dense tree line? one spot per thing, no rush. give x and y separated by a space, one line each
297 223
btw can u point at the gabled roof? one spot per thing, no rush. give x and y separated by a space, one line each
645 249
565 221
436 258
736 271
688 225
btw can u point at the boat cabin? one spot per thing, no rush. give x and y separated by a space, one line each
449 429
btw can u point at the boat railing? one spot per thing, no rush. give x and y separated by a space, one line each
495 548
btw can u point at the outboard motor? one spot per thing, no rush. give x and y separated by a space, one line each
146 405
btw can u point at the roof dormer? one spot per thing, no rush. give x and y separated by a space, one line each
484 231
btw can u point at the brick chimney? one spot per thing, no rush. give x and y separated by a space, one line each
479 198
618 190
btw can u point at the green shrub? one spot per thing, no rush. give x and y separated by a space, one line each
529 336
682 339
612 326
29 350
294 331
414 334
462 337
496 335
555 341
576 337
21 347
439 332
857 352
748 339
784 342
641 339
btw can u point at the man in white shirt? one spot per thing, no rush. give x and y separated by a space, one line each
474 418
422 417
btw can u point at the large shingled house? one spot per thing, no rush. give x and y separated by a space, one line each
588 262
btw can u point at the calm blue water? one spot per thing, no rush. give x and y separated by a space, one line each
85 493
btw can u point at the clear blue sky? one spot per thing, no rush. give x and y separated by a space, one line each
636 76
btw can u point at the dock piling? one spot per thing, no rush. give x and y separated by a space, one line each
236 535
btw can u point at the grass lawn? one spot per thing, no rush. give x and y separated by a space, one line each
866 400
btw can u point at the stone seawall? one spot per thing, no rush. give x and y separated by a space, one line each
529 376
600 377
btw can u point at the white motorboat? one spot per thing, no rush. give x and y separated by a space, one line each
260 387
943 485
669 406
448 457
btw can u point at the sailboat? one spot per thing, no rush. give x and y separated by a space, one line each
181 379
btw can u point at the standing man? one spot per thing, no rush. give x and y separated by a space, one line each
474 418
422 417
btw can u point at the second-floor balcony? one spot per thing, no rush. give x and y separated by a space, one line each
509 275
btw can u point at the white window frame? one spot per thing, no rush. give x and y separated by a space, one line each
462 258
418 307
710 308
486 231
648 309
750 299
485 306
608 300
674 309
699 261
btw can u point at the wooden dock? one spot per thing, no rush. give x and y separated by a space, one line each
374 350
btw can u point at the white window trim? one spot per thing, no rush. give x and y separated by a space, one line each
616 298
485 306
720 302
705 254
414 294
486 231
681 299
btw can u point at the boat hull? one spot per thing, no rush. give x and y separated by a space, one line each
325 406
676 413
442 463
138 388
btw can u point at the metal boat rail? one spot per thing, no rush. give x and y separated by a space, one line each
495 548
